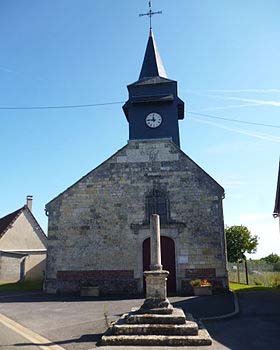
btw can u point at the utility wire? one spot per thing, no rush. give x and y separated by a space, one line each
121 102
62 106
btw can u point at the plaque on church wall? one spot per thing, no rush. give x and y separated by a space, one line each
183 259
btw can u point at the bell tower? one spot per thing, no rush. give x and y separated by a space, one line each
153 107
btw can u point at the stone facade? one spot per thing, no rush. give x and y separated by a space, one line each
97 226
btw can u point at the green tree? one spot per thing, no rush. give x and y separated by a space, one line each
240 241
271 259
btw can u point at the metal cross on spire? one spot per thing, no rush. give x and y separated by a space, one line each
150 13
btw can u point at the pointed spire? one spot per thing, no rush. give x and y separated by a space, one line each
152 65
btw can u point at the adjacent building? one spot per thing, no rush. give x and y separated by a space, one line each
22 246
98 229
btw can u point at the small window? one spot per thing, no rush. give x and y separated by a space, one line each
157 203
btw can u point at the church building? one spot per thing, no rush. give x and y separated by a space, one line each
98 228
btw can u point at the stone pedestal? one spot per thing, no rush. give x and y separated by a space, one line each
156 284
156 293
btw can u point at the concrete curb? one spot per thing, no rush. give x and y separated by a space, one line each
231 314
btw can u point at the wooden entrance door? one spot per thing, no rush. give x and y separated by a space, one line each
167 260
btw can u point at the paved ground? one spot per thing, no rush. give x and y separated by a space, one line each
10 340
77 324
256 327
72 323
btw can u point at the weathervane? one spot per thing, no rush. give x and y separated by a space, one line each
150 13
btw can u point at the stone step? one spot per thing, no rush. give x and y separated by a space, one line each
189 328
162 310
201 339
177 317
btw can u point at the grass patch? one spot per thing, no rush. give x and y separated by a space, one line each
238 287
25 286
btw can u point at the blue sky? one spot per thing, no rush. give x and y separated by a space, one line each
224 54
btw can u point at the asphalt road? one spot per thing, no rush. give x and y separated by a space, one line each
10 340
73 323
76 324
257 326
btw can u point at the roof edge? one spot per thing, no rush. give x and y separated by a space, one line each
152 81
211 178
37 223
20 210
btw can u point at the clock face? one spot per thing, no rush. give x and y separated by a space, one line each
153 120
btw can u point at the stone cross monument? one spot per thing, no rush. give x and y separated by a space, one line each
156 292
156 322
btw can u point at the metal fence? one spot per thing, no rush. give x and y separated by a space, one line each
259 273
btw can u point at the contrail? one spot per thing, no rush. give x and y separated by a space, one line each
257 102
261 136
22 75
228 107
261 91
4 69
240 99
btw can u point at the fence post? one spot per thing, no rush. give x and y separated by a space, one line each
246 271
238 273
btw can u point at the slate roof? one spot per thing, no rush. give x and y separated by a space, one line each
152 81
277 199
9 219
152 65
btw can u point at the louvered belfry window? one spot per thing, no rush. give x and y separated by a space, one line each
157 203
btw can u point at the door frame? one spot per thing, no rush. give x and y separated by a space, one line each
168 242
143 234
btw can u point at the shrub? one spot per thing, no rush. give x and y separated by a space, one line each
257 282
275 281
195 283
276 266
200 283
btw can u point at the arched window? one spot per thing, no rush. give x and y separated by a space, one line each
157 203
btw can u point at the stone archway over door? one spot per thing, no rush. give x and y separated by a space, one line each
167 260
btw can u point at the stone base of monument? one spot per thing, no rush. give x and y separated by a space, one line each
171 329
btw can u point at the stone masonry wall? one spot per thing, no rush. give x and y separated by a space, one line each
99 223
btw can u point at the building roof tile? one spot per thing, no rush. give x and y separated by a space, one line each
8 220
